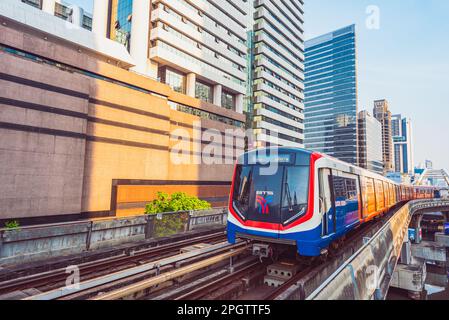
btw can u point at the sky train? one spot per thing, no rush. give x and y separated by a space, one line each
291 196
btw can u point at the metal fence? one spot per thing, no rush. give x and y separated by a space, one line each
45 241
368 273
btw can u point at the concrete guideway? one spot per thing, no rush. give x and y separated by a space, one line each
42 242
145 284
368 273
65 291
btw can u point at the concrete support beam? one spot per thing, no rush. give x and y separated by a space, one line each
411 278
442 239
191 85
49 6
429 252
239 103
218 90
140 30
436 276
100 18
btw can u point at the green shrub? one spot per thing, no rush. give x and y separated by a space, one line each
177 202
12 225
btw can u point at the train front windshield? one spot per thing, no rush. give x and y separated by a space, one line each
279 198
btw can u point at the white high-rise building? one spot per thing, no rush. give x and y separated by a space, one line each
64 10
370 142
402 144
197 47
277 46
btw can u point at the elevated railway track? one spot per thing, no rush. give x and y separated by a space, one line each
208 268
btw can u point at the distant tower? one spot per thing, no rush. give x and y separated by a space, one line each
383 115
402 144
370 142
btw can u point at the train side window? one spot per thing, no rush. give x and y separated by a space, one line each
346 188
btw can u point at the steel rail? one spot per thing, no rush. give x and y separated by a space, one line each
64 291
205 289
54 276
146 284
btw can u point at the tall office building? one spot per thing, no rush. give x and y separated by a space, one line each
331 94
370 142
63 10
383 114
276 46
402 144
196 47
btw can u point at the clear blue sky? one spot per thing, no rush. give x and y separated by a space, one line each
406 61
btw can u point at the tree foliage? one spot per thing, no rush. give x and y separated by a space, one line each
176 202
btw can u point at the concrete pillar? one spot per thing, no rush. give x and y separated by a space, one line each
239 103
48 6
140 29
191 85
100 18
406 253
218 90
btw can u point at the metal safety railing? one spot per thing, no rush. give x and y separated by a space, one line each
367 274
44 241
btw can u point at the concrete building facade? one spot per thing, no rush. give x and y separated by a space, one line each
331 94
64 10
370 142
276 47
382 113
196 47
81 136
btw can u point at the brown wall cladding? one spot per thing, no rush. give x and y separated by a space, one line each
132 199
66 138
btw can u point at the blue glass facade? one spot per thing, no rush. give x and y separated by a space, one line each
331 94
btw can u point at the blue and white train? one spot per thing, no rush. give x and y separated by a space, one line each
310 201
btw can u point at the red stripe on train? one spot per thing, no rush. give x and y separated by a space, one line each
279 227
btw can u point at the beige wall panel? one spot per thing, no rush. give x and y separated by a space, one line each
108 162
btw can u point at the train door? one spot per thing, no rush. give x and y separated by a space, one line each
346 191
390 191
387 194
327 209
371 201
364 197
380 196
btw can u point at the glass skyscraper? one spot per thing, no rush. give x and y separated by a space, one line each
331 94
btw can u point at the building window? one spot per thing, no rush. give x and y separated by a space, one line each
204 92
121 21
175 80
87 23
34 3
227 100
